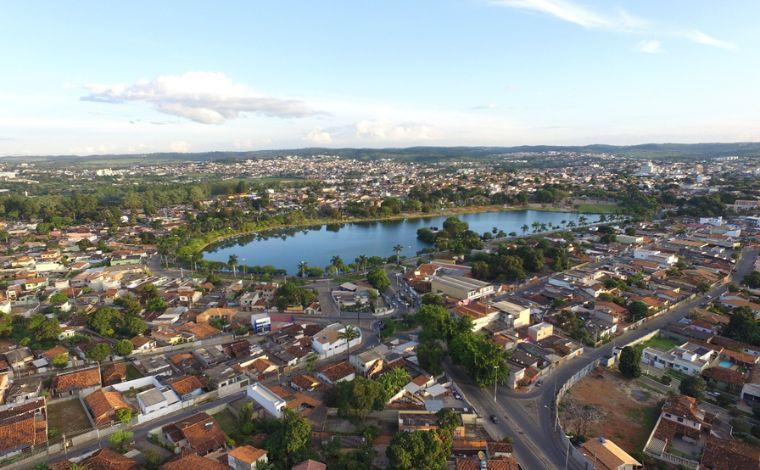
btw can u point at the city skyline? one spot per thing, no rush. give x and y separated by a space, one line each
188 77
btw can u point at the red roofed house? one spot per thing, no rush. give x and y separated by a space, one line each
23 426
78 381
199 433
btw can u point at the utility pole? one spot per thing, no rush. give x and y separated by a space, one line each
495 382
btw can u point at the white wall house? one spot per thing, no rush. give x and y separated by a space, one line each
328 343
272 403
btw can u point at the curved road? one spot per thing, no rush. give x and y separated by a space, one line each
529 419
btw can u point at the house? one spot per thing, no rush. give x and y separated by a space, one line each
513 314
76 382
192 461
154 365
334 373
729 454
540 331
689 359
155 399
103 406
460 287
186 387
309 465
246 457
23 426
261 323
328 342
199 433
682 427
606 455
481 314
216 313
304 383
226 380
271 402
113 373
19 358
142 343
102 459
370 361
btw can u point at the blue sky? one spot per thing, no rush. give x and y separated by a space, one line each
111 77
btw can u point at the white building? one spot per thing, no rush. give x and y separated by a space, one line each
514 314
459 287
689 359
261 323
272 403
328 343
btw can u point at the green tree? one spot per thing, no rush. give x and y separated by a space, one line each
397 249
123 347
417 450
232 262
393 380
61 360
752 280
349 333
630 362
379 279
124 415
99 352
288 443
59 298
104 321
134 325
638 310
743 327
693 386
120 439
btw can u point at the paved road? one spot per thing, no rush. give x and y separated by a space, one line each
529 417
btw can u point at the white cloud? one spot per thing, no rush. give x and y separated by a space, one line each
319 137
566 11
398 132
699 37
649 46
204 97
620 21
180 146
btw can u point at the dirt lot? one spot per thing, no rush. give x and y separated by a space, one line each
68 417
629 409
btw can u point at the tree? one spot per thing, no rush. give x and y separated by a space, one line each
752 280
134 325
430 354
415 450
123 347
303 268
379 279
124 415
59 298
393 380
120 439
104 321
289 441
693 386
397 249
743 327
99 352
290 293
356 398
448 419
232 262
630 362
638 310
61 360
349 334
311 361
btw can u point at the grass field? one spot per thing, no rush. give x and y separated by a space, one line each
661 342
133 373
229 424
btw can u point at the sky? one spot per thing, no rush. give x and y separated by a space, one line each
92 77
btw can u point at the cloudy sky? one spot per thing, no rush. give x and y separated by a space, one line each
149 76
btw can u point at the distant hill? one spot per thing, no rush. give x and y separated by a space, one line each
420 154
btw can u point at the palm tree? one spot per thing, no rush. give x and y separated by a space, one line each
361 261
232 262
536 226
337 262
349 334
582 220
494 230
303 266
197 256
524 228
397 249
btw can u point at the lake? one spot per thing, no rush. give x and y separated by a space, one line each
316 245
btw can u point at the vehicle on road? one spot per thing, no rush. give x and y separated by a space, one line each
494 419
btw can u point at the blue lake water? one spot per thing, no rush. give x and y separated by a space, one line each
316 245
